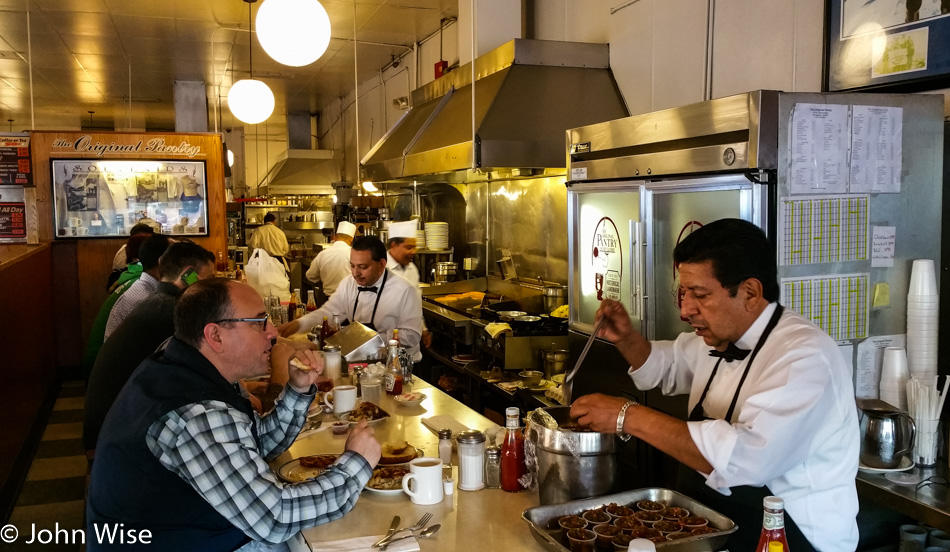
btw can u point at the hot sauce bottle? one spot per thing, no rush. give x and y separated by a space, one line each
773 524
512 452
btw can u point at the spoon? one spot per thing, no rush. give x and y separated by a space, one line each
426 533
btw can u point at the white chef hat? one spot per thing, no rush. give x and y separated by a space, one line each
406 229
347 228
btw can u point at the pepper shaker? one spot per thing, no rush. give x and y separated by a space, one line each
445 446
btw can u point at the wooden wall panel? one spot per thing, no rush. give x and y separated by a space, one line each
93 257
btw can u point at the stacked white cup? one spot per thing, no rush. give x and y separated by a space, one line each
922 320
894 376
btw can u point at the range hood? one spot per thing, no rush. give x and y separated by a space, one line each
528 93
303 171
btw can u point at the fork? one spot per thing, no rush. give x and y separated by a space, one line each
418 525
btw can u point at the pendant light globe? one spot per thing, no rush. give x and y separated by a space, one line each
251 101
293 32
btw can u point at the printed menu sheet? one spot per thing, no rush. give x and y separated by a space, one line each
876 142
819 144
824 229
838 304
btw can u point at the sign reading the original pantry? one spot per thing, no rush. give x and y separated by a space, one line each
607 259
153 146
15 160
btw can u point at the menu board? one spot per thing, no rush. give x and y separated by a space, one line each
12 220
15 160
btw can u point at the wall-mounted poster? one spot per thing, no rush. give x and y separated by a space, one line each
895 44
105 198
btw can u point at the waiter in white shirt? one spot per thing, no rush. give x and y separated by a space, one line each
371 295
332 264
402 251
771 403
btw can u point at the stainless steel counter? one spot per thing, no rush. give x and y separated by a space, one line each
489 519
928 503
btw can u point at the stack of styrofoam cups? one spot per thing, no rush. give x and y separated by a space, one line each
894 376
922 320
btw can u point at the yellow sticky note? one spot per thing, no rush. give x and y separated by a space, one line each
882 295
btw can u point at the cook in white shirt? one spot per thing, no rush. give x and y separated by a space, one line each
774 415
402 251
371 295
332 264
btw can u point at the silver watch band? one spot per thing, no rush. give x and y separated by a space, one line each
621 417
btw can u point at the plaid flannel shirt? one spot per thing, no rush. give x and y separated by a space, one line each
214 447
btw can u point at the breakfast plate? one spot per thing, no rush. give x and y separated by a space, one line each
295 472
906 464
387 480
543 386
365 411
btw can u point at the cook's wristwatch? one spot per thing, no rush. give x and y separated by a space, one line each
620 419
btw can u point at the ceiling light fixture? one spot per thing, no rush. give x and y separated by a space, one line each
293 32
250 100
369 187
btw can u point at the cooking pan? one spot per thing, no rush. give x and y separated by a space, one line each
525 322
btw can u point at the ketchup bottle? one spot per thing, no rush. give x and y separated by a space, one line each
773 524
512 452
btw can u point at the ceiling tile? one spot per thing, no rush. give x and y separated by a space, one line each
135 27
81 23
96 6
87 44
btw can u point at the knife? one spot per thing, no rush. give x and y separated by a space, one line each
392 531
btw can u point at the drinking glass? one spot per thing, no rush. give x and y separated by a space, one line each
372 388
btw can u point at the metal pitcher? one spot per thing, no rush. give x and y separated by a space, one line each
886 436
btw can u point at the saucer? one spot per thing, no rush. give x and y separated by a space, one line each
906 464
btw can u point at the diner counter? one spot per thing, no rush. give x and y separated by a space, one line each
927 501
489 519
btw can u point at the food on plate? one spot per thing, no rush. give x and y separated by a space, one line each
387 478
606 533
367 411
702 530
318 461
645 533
596 516
627 523
397 453
692 522
651 506
648 518
561 312
667 526
618 510
572 522
674 513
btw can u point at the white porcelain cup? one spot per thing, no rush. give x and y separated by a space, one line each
922 279
344 398
83 231
74 222
423 483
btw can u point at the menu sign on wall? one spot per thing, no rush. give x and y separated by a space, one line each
15 160
12 221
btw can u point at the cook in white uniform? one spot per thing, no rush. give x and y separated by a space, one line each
772 404
371 295
332 264
402 251
270 238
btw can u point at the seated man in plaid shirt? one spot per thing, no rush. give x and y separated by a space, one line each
181 462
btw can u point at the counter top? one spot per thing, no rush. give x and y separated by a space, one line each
489 519
927 501
14 253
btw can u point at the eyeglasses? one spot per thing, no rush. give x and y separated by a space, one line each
261 321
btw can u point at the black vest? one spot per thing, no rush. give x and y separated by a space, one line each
128 483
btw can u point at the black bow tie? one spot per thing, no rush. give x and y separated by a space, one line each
371 289
731 353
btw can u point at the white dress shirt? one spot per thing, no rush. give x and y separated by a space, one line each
399 307
330 266
271 239
411 273
137 292
795 428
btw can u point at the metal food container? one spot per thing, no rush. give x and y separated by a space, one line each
357 342
543 519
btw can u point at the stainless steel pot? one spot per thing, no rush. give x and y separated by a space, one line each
554 297
571 464
886 436
444 272
554 361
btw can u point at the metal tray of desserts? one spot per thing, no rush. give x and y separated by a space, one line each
543 519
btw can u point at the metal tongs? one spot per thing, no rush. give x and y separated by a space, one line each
568 381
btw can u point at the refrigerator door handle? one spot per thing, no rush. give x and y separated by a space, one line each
637 289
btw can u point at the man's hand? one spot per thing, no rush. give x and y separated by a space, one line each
304 368
362 440
426 338
288 329
597 411
617 328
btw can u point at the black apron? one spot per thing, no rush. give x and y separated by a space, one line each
379 292
744 506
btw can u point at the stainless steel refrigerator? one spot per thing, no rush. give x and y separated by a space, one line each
822 174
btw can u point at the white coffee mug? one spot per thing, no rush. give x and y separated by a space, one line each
83 231
423 483
344 398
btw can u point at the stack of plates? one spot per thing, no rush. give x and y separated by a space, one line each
922 320
437 235
421 239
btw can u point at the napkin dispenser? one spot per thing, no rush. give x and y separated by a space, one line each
357 342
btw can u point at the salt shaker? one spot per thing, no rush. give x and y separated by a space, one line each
332 362
445 446
471 460
493 467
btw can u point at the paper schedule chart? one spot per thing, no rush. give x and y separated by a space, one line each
824 229
837 304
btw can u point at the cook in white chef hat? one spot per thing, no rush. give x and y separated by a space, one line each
347 228
406 229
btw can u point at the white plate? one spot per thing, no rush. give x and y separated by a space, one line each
293 472
345 417
384 491
410 399
541 387
906 464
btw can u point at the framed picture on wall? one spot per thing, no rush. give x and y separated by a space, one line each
105 198
892 45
